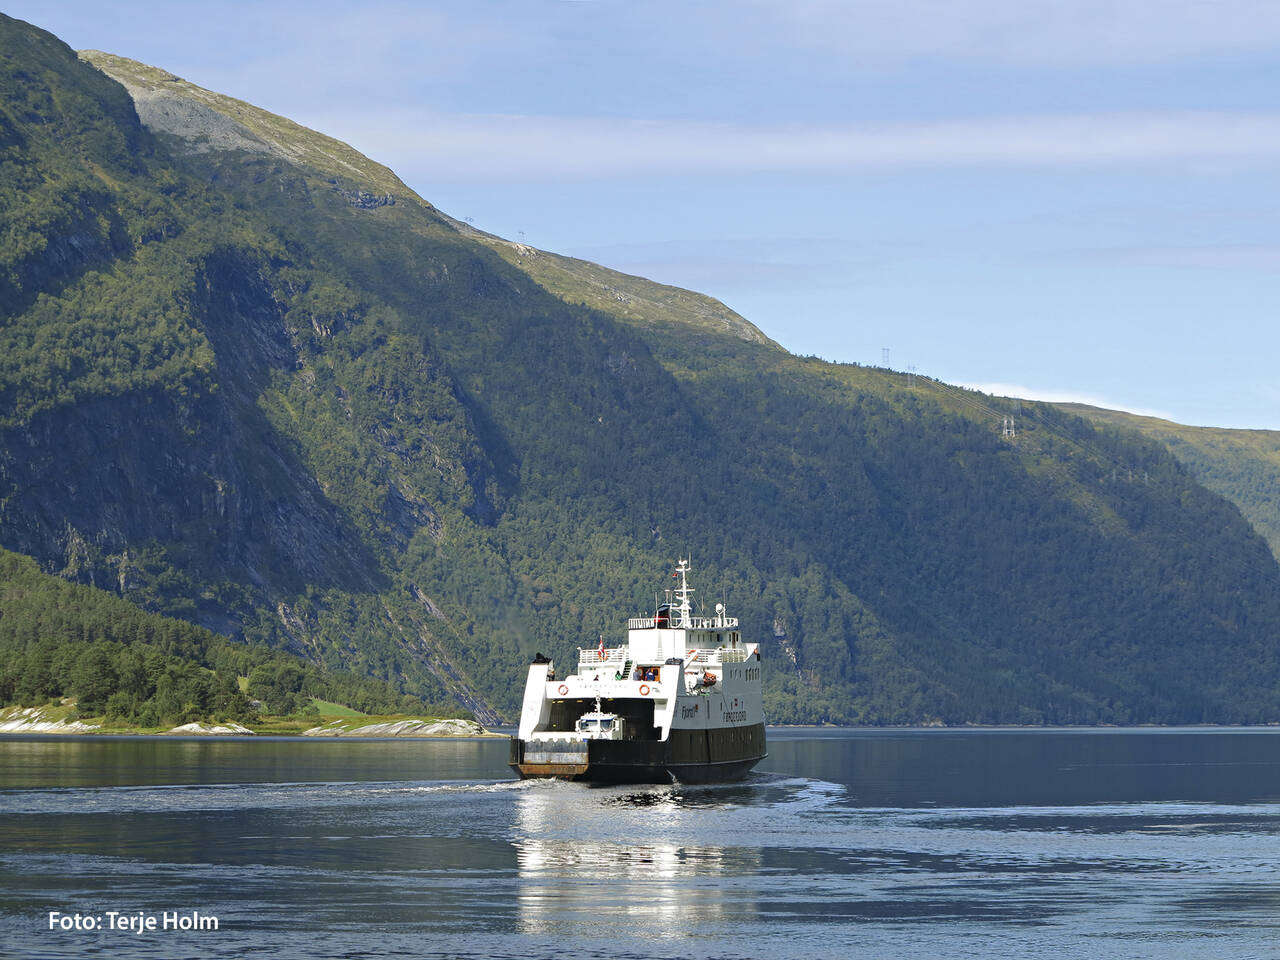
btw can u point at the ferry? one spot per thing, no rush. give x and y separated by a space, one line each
678 702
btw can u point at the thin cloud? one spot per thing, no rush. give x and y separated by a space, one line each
1023 392
524 148
1239 256
1079 33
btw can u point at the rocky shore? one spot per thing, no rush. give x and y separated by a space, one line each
41 720
352 727
62 720
228 729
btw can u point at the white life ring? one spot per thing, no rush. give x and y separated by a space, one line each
564 688
644 689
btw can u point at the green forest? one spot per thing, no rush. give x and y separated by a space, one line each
1241 465
65 640
362 440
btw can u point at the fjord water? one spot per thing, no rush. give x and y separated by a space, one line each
881 843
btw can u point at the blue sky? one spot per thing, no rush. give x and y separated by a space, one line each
1067 200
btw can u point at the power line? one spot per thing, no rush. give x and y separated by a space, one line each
966 397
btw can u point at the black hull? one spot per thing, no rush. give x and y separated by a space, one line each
702 756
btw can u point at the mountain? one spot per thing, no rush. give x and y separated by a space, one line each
1241 465
250 379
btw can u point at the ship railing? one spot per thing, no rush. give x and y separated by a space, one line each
675 623
714 657
714 623
589 658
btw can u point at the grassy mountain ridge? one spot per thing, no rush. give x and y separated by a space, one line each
363 432
628 298
1241 465
203 121
206 121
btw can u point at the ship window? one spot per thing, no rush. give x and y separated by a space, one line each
606 724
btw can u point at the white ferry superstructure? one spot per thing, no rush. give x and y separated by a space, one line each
679 701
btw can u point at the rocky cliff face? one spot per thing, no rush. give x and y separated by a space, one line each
88 485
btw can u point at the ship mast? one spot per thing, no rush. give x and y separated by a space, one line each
682 594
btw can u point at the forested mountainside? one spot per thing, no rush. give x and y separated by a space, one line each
67 640
251 380
1241 465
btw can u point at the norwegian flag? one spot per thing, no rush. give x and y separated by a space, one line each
601 647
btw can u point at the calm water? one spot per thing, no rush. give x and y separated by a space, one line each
884 844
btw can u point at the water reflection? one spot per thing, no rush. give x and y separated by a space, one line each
976 768
63 761
628 863
908 844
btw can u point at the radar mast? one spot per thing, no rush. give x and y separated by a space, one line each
682 594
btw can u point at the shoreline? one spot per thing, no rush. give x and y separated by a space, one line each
419 728
51 721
